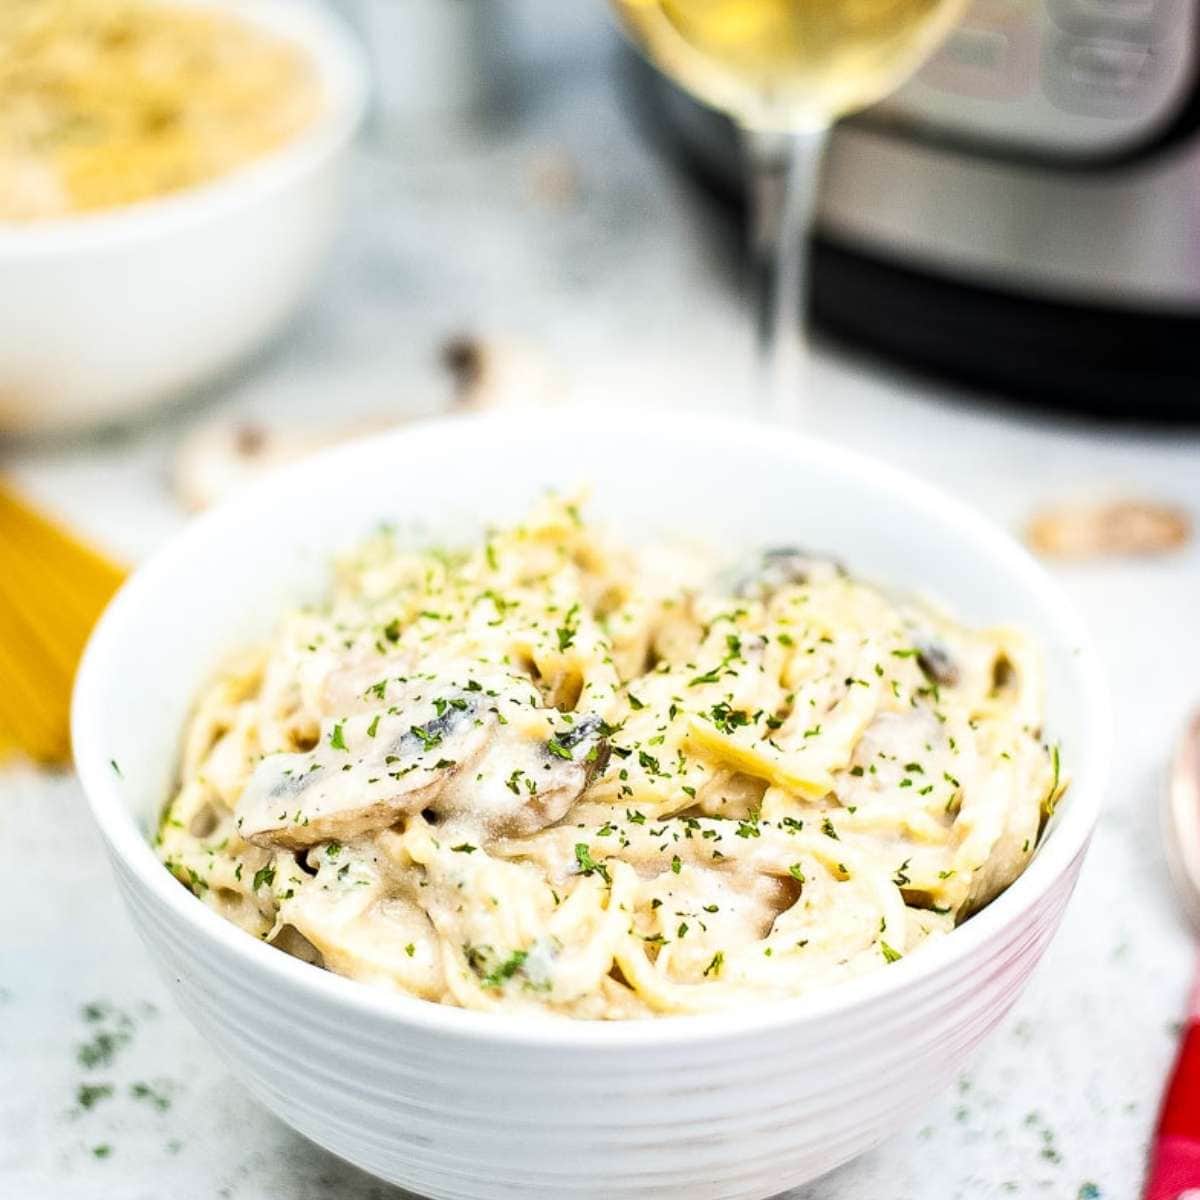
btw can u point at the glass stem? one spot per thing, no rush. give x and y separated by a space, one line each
785 170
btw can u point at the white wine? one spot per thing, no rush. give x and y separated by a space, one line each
785 64
786 67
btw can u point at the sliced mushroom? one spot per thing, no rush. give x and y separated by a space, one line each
936 661
496 372
366 773
569 764
781 567
220 456
524 784
1121 526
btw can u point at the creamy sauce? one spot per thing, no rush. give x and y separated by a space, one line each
562 775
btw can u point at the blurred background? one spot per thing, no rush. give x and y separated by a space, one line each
1006 301
1013 233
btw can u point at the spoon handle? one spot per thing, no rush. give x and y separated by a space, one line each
1175 1153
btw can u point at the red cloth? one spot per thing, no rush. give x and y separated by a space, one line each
1175 1158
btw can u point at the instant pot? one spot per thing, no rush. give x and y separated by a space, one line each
1024 215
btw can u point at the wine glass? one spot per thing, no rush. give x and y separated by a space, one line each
785 70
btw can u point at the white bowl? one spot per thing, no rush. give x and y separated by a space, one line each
461 1104
108 312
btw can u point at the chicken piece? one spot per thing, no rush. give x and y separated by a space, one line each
354 921
365 773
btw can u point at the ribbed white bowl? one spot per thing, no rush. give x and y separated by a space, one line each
456 1104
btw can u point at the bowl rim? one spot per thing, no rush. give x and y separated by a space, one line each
116 631
341 65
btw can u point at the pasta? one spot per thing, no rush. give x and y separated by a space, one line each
107 102
561 775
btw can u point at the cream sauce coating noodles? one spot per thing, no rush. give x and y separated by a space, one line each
559 774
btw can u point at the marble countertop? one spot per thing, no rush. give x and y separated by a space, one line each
559 229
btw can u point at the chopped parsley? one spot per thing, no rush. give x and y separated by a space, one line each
559 750
728 719
567 631
90 1094
588 865
649 763
497 978
155 1097
1052 796
427 739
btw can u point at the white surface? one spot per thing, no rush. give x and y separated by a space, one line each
106 313
454 1103
613 285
